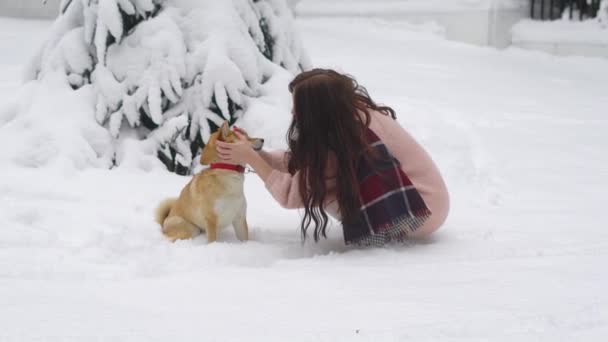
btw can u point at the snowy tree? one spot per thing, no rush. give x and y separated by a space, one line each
170 71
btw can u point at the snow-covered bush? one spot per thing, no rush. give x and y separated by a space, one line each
170 71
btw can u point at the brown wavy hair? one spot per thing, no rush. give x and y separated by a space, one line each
331 112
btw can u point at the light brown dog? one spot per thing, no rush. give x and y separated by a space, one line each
212 200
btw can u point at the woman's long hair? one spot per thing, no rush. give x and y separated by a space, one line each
331 112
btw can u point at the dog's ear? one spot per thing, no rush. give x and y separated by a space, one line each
209 154
224 130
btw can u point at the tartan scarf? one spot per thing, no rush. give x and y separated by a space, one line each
391 207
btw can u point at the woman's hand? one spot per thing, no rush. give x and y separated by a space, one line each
239 152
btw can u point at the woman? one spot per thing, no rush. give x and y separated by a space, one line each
348 157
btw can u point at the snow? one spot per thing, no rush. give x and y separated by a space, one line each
33 137
11 67
602 14
520 137
109 15
561 31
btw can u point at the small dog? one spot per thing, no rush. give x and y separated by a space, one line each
212 200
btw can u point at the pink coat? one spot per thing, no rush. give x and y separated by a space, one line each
415 162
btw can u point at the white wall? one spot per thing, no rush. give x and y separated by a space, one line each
502 23
479 27
29 8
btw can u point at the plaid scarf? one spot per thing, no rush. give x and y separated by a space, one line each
391 207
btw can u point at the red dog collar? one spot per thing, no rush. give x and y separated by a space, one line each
237 168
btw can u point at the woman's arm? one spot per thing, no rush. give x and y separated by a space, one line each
281 185
277 159
285 189
261 166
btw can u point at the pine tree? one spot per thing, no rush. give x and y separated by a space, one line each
171 70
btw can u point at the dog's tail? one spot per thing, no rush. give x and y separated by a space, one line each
163 210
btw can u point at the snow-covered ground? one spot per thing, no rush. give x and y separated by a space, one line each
563 37
520 137
561 31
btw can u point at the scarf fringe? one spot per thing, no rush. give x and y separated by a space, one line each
396 231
